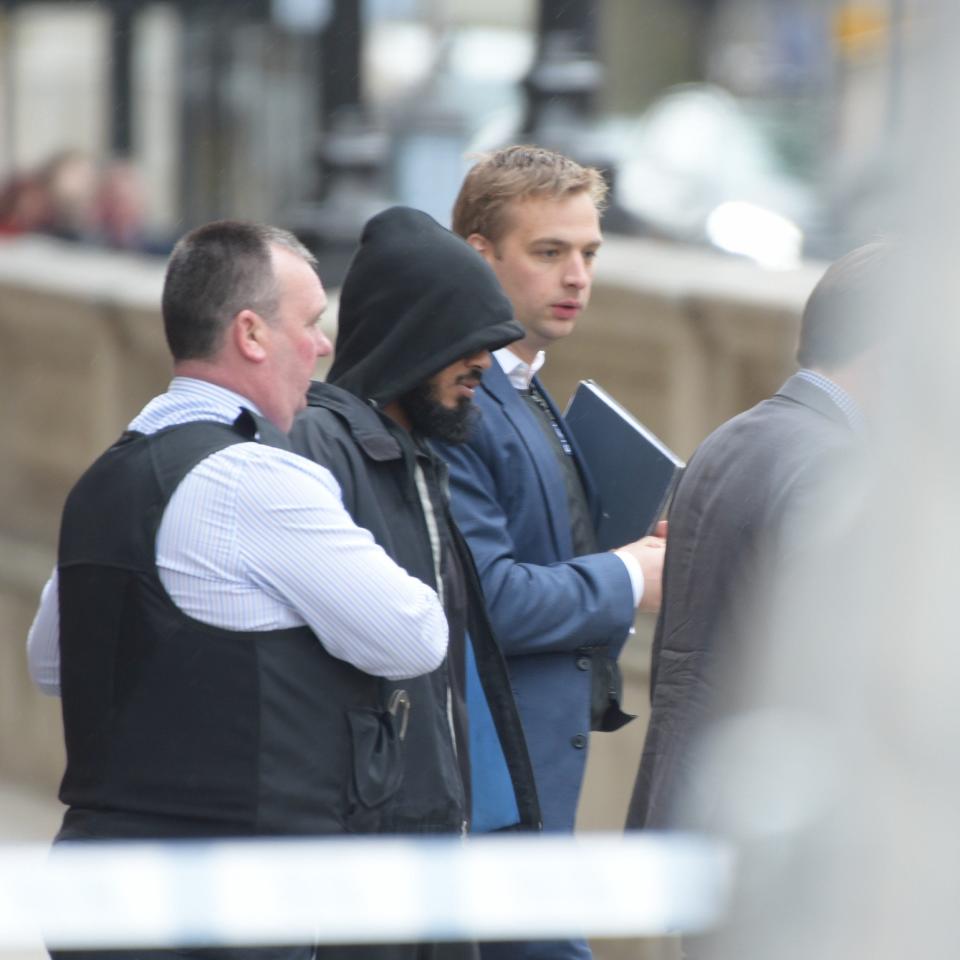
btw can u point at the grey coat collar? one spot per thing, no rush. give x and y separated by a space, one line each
803 392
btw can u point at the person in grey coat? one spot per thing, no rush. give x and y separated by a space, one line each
736 521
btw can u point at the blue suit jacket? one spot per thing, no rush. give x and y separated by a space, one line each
509 500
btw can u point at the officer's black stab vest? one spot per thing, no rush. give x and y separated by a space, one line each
174 727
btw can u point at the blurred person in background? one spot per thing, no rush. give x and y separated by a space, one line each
24 205
768 492
419 314
121 207
71 180
72 197
59 198
226 642
561 610
121 212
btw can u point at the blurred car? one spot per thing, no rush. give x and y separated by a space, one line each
697 167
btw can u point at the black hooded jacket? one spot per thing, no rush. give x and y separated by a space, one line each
417 298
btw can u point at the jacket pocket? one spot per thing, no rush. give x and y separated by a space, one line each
376 748
606 691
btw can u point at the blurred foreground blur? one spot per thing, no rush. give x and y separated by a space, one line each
840 766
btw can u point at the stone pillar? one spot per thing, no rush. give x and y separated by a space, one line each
352 154
121 76
649 46
564 82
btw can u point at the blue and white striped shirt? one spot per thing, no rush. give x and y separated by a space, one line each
256 538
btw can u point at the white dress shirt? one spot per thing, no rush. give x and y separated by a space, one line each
521 374
256 538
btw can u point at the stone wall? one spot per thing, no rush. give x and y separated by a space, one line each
80 350
683 338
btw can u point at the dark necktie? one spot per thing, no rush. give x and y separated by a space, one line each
537 397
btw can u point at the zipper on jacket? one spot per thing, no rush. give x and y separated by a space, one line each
426 504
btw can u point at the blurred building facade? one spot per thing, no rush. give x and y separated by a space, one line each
299 110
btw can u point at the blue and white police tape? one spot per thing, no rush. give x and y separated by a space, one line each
360 890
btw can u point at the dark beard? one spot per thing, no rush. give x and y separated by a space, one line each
431 419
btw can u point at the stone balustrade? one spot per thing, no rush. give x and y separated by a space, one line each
683 338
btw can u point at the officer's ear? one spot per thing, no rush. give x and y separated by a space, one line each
249 332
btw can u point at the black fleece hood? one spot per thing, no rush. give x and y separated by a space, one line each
415 299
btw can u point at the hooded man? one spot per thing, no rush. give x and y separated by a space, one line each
419 315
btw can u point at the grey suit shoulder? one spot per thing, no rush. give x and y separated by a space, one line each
729 524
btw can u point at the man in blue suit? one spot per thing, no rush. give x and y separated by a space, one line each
561 610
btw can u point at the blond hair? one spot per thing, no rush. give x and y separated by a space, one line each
516 173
